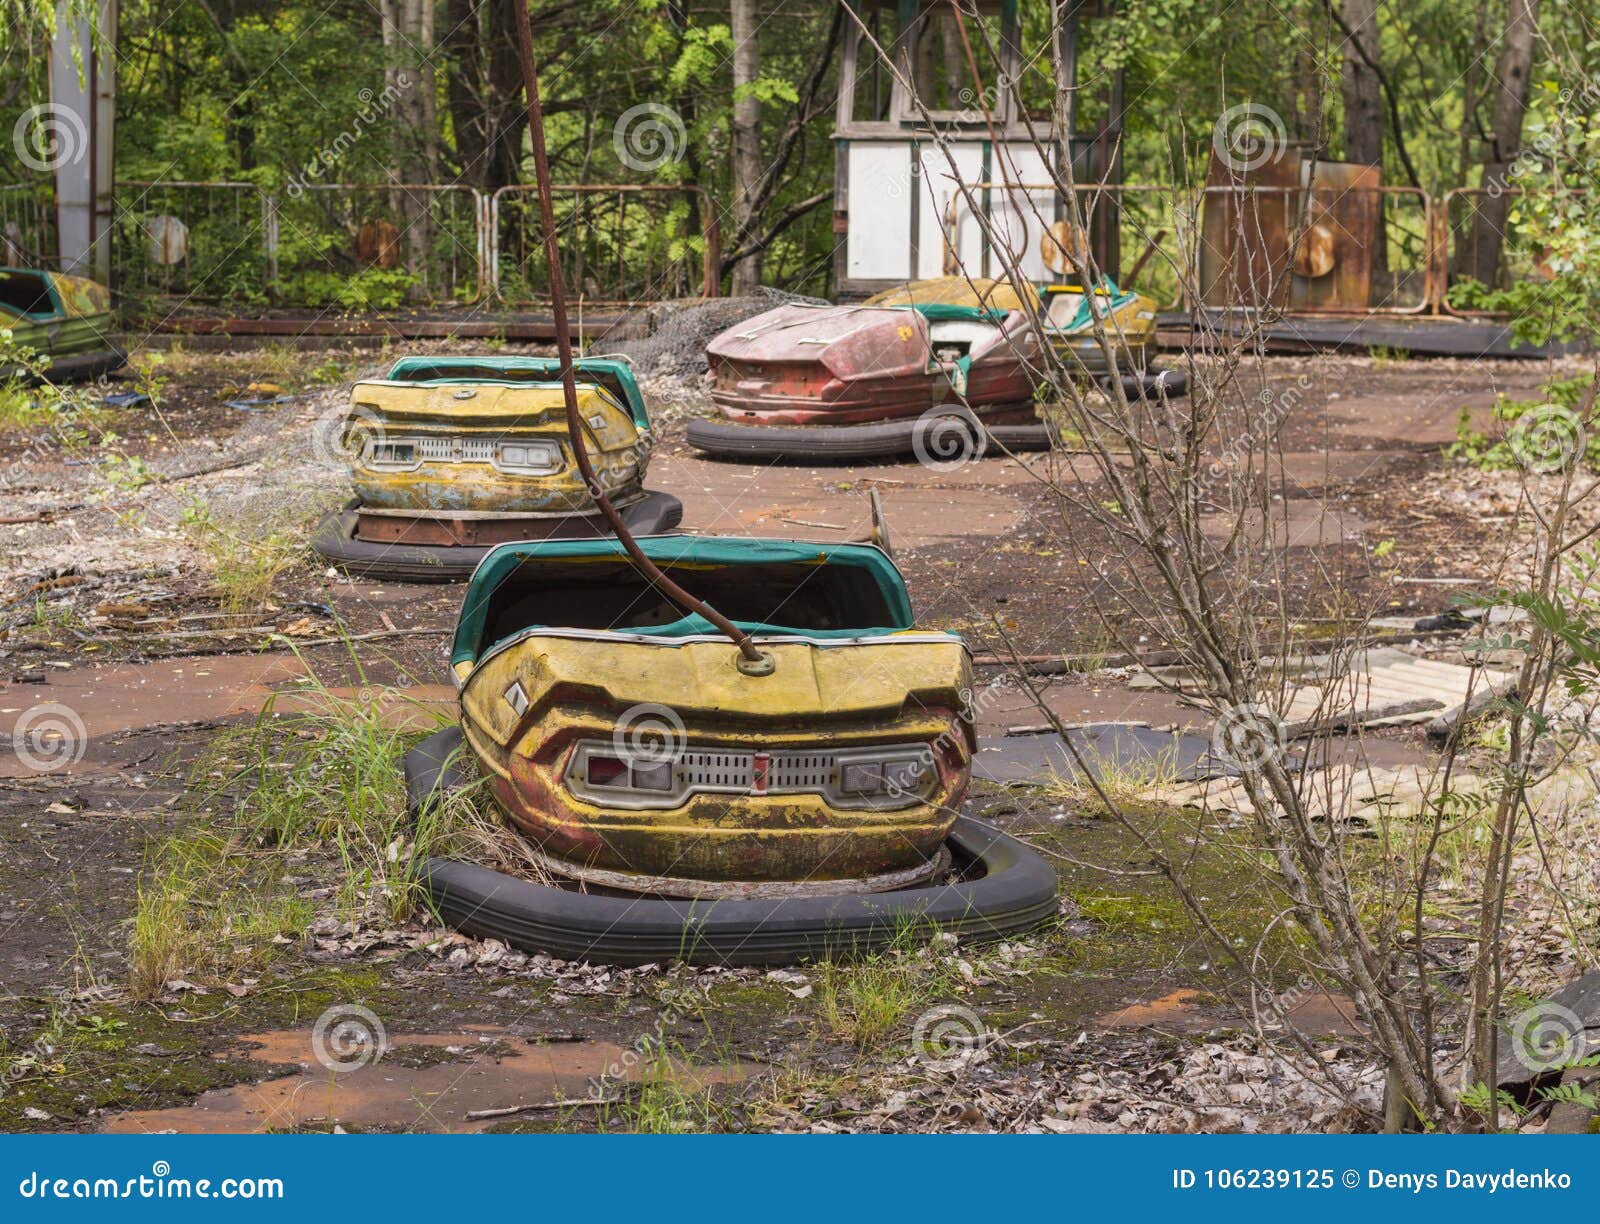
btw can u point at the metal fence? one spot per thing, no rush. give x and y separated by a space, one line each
374 246
361 247
204 242
1305 250
27 224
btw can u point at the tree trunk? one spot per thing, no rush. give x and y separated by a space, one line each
1363 100
428 91
1505 136
464 47
1363 103
746 136
485 92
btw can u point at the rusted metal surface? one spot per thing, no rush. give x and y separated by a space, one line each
464 529
1343 224
821 699
1246 230
804 365
745 890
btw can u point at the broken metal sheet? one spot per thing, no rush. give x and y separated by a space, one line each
1386 687
1380 687
1369 794
1126 748
1357 793
1552 1033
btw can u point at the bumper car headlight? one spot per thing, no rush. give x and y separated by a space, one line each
528 458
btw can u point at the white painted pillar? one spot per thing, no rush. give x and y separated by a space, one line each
83 84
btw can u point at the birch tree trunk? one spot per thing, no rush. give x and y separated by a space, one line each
746 137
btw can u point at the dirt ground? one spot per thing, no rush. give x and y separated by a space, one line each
121 555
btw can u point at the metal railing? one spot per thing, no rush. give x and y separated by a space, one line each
359 246
27 224
1212 246
370 246
201 241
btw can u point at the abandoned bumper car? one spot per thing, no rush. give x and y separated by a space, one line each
684 804
894 375
64 321
452 456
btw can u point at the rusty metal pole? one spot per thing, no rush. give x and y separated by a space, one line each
752 661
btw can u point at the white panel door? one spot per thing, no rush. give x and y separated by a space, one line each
878 246
1022 215
940 187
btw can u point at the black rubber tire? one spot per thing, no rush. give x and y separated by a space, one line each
1154 383
81 367
810 443
1016 893
335 540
